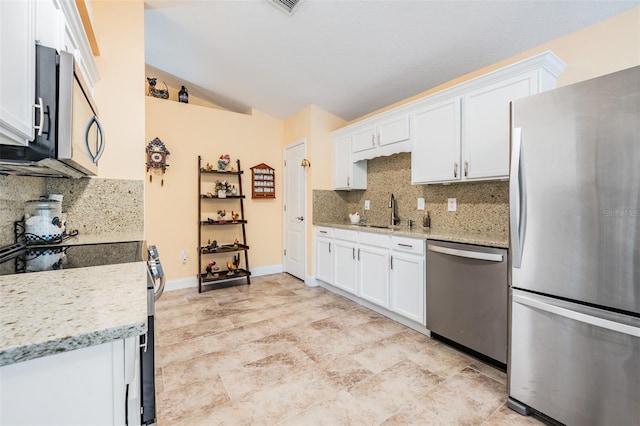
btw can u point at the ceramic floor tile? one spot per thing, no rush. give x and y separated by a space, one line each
339 409
395 388
278 352
466 398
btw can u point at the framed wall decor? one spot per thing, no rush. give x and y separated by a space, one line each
263 181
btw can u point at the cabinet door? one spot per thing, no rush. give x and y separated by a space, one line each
374 275
486 126
346 174
71 388
17 74
364 138
408 286
393 130
436 142
341 162
346 266
324 260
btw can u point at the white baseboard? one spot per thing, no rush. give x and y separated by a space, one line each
311 281
188 282
180 283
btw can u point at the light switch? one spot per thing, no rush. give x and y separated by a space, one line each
367 205
420 203
452 204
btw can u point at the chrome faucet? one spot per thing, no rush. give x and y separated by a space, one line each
394 216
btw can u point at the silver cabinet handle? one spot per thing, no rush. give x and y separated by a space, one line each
455 169
405 245
353 253
373 140
577 316
467 253
323 232
348 182
358 255
378 138
466 168
391 262
40 106
329 247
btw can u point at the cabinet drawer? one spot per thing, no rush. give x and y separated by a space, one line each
408 245
372 239
345 234
323 231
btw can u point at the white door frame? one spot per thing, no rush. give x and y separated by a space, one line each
303 142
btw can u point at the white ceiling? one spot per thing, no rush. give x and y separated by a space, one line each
348 57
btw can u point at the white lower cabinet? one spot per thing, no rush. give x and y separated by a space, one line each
388 271
345 274
408 278
374 275
324 254
79 387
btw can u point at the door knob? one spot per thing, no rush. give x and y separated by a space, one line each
300 218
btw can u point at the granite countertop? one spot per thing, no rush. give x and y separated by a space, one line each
491 240
44 313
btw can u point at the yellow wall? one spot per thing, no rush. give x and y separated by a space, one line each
171 214
605 47
119 28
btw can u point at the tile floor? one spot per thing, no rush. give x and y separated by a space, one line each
280 353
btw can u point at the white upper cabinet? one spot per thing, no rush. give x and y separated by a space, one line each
486 126
52 23
347 175
463 133
59 25
386 134
436 141
17 72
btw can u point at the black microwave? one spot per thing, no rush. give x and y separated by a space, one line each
69 136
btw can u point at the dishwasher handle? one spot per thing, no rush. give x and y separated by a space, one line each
492 257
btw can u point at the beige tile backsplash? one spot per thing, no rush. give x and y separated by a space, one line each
482 207
93 206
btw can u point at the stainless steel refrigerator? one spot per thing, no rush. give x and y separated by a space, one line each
574 349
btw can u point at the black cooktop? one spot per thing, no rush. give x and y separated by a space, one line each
22 258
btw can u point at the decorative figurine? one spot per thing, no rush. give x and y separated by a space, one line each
235 243
223 161
235 216
221 215
222 188
234 191
230 267
209 268
183 95
208 167
157 93
157 154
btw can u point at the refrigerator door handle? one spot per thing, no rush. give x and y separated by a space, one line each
577 316
467 253
518 196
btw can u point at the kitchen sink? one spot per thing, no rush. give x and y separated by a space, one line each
368 225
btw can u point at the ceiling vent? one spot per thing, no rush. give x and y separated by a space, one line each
287 6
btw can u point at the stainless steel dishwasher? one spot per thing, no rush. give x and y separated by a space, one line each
467 296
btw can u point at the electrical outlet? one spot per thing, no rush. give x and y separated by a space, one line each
367 205
452 204
184 256
421 203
